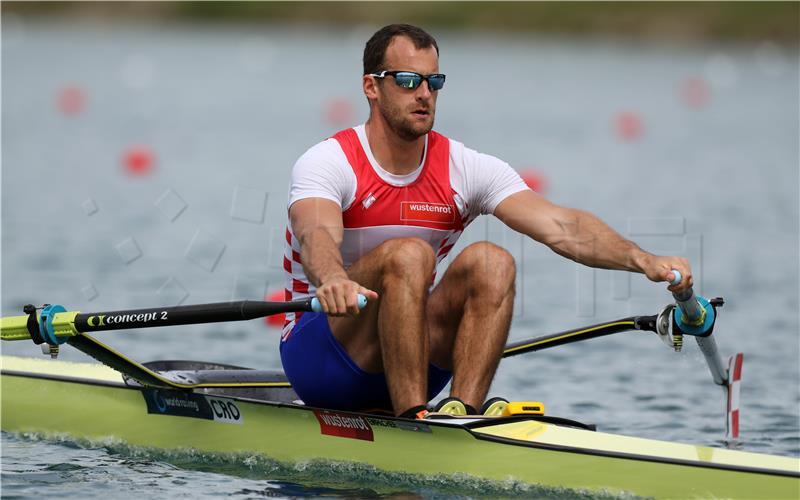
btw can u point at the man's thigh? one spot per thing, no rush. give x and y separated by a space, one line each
403 257
443 313
472 269
359 334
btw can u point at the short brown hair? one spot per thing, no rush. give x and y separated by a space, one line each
375 50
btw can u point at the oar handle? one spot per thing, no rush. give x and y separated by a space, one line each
316 306
693 311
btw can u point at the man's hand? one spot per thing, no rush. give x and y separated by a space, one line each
658 268
317 224
339 296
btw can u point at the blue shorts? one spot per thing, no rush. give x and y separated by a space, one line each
323 375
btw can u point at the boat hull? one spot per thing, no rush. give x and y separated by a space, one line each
92 402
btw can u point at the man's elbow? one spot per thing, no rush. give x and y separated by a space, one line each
319 234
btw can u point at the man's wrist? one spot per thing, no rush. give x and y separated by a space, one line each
327 278
640 259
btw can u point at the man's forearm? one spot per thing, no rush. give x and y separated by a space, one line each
321 257
590 241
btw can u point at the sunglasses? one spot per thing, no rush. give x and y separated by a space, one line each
411 80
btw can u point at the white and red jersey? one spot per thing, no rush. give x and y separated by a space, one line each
435 202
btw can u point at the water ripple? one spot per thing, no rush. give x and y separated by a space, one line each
156 472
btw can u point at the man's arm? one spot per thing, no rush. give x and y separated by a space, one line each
584 238
317 224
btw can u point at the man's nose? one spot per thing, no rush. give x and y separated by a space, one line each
424 91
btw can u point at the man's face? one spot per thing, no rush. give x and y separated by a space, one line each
409 112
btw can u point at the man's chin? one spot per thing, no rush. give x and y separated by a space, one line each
411 129
413 135
419 128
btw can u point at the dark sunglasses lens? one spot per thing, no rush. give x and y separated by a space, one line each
408 80
436 82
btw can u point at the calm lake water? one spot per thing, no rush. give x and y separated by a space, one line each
688 150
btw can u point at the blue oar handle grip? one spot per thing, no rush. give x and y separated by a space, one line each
317 307
686 299
694 314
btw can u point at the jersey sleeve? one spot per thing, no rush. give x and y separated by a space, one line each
323 172
482 180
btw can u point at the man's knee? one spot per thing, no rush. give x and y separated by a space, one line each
492 267
408 257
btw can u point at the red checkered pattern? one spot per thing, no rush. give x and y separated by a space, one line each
734 381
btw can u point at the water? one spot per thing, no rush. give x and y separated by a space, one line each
112 467
228 110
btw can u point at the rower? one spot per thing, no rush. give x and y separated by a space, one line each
374 209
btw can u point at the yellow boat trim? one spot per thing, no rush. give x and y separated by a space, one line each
67 369
531 431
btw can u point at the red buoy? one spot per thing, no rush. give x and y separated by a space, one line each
339 112
275 320
71 100
138 160
629 126
695 92
535 180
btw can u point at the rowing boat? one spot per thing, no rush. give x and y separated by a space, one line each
94 402
184 405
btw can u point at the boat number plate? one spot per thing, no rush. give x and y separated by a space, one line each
180 404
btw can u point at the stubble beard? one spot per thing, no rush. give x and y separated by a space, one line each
402 125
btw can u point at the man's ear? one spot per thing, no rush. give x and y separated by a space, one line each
370 87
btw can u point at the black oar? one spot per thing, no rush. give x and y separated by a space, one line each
588 332
54 324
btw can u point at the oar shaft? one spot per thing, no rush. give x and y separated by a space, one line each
54 325
708 346
578 334
697 318
184 315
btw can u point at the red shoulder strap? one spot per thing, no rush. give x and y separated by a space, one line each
437 161
438 155
348 140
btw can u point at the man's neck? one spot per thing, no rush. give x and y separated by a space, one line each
394 154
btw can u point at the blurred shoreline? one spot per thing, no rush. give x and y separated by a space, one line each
658 21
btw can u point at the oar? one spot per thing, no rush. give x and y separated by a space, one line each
54 324
578 334
694 315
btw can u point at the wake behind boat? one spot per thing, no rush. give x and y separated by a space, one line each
221 408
